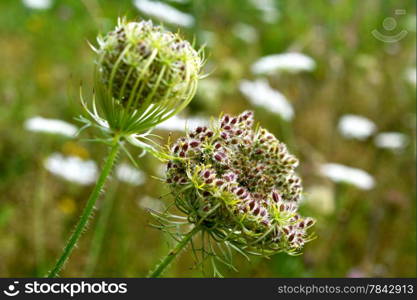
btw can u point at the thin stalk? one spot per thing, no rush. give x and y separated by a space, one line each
100 232
88 209
160 268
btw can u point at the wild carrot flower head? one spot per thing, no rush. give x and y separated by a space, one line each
240 184
145 74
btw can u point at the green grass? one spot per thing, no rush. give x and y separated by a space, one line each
44 55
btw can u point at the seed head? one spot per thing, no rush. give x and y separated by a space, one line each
143 68
243 181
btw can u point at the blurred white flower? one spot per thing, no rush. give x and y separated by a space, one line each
164 12
341 173
151 203
39 124
356 127
129 174
245 32
391 140
320 198
180 124
270 13
290 62
411 76
72 168
260 93
37 4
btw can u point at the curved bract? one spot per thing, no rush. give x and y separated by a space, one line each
145 74
240 185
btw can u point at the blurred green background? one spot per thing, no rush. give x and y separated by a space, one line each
44 54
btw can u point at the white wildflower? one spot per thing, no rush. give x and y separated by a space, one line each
290 62
37 4
72 168
39 124
129 174
356 127
391 140
341 173
164 12
260 93
180 124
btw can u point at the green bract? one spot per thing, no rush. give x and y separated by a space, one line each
145 74
239 184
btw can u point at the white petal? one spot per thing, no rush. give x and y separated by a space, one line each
341 173
129 174
39 124
259 93
37 4
391 140
164 12
356 127
72 168
291 62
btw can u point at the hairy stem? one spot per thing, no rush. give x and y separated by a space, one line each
160 268
88 209
100 232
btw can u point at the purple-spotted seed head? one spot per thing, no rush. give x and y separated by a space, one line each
247 178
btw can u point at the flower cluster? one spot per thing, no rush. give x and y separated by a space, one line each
144 76
141 63
239 183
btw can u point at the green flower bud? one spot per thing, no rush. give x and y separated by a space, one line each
144 72
240 184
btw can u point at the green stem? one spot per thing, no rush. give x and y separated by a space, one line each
173 253
82 223
100 232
